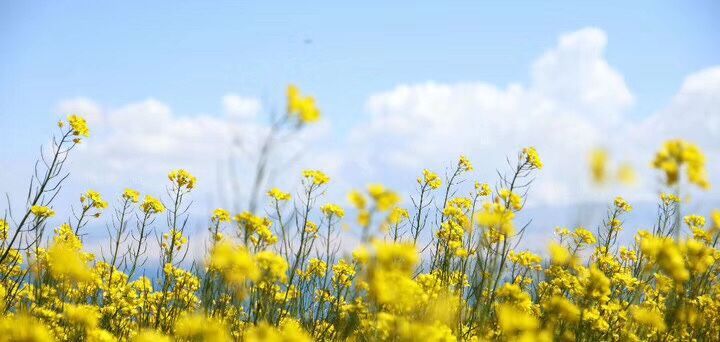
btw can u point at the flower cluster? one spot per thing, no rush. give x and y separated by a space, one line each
315 177
676 154
449 267
182 179
303 107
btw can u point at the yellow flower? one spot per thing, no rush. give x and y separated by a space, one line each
200 328
79 126
715 215
562 309
385 199
464 164
316 267
511 199
397 215
316 177
272 267
431 179
361 255
174 239
181 178
695 221
363 218
278 195
513 293
532 157
150 336
357 199
584 236
311 227
266 332
4 228
234 263
94 200
333 210
396 256
84 316
303 107
152 205
597 285
649 318
461 253
42 212
221 215
667 254
293 98
343 272
626 174
675 154
525 259
668 199
598 165
483 189
131 195
516 324
20 327
559 255
495 217
622 205
309 112
66 262
253 224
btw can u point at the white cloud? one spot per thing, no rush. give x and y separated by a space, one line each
576 74
90 110
241 107
694 112
575 102
135 145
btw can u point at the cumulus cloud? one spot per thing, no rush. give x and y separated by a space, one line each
574 102
241 107
576 74
90 110
573 99
136 144
693 114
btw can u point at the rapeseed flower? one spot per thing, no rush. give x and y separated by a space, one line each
131 195
431 179
676 154
182 179
152 205
279 195
42 212
79 126
448 267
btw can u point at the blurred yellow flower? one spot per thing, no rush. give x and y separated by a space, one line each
131 195
78 125
182 179
42 212
279 195
675 154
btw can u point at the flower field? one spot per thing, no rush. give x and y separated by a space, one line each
448 266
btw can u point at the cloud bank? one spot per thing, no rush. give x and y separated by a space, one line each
573 102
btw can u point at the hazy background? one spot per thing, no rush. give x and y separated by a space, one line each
402 86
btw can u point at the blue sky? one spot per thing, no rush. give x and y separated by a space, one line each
189 53
618 74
